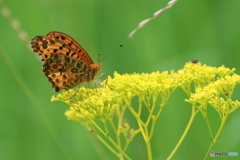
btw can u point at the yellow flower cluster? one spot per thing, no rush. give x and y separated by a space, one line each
200 75
208 82
144 85
218 94
89 103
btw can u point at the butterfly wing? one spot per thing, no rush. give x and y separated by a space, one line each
59 43
66 72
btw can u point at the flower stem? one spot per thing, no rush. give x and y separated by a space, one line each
217 136
184 133
122 153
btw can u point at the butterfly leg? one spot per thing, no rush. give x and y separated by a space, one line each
105 78
95 84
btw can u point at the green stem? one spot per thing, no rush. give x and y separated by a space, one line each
106 144
149 150
151 110
217 136
153 126
184 133
120 117
204 113
154 119
112 142
144 129
139 121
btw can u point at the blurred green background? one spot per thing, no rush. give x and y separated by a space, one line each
33 127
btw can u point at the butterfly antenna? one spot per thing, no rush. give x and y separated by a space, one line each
111 52
99 57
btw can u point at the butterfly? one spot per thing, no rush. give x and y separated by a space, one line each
65 63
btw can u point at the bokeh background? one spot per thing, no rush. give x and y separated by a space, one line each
33 127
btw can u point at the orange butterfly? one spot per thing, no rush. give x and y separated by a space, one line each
66 63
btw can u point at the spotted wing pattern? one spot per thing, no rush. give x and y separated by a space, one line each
66 63
59 43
